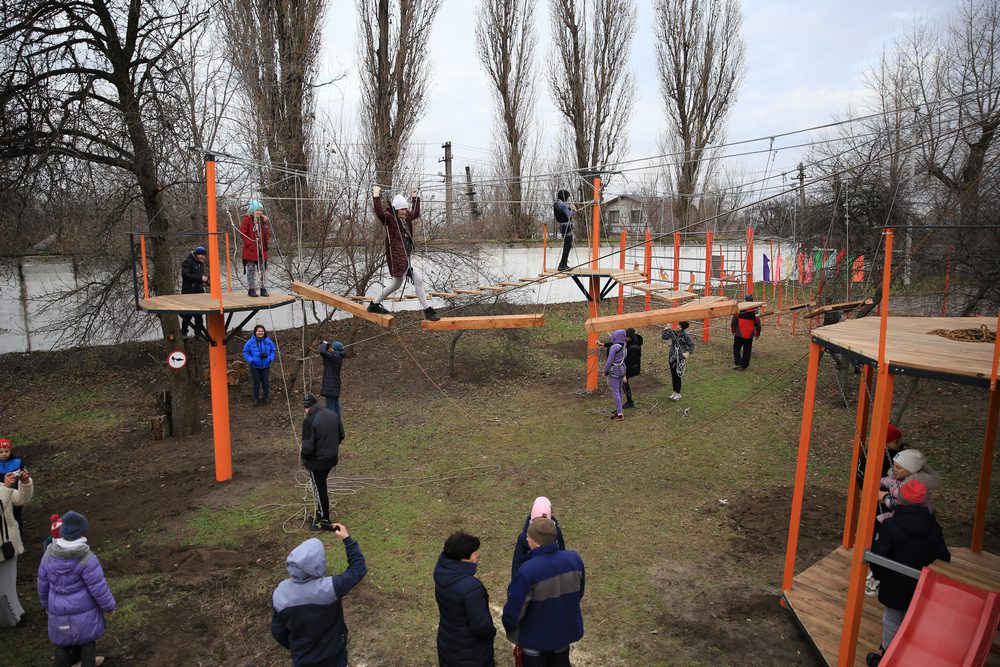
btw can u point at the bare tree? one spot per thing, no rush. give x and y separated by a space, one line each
394 64
701 63
589 76
505 43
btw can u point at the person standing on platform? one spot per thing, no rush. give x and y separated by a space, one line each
259 352
194 280
398 223
746 328
256 234
322 434
681 347
563 212
333 359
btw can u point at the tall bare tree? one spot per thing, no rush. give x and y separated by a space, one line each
589 76
394 65
505 43
701 62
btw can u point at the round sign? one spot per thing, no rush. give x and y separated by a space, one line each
176 360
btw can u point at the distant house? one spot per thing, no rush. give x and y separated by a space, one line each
634 212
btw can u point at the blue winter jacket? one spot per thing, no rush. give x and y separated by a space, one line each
13 464
259 352
465 629
543 600
308 617
74 592
522 550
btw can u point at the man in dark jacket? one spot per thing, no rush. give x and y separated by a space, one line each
746 328
307 614
911 536
563 212
322 434
542 614
465 629
333 359
193 281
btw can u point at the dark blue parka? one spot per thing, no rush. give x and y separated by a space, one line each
465 630
522 550
333 360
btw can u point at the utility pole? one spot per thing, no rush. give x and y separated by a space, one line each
449 197
802 187
471 193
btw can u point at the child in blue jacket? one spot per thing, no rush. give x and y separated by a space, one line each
259 353
9 462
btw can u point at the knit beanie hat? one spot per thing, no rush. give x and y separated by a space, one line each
309 400
892 434
55 524
543 531
399 201
74 526
914 492
338 346
542 507
748 297
200 250
5 444
911 460
254 205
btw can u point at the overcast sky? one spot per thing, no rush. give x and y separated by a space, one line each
805 63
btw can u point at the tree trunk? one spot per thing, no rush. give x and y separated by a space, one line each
451 353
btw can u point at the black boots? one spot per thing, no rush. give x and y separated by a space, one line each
430 314
377 308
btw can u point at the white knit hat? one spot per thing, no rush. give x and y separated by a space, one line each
911 460
399 201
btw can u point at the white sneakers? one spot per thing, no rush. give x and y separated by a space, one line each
871 585
675 396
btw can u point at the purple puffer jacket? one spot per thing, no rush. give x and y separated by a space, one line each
615 364
72 588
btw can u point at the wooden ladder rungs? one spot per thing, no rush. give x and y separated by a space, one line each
468 291
443 295
492 288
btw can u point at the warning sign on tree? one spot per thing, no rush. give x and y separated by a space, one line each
177 360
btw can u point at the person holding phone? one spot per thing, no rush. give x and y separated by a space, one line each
16 491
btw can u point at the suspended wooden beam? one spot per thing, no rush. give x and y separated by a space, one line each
484 322
341 303
468 291
673 296
492 288
405 297
833 307
800 306
443 295
704 308
509 284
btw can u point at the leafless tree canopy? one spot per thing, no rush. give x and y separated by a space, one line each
394 65
505 44
701 63
589 76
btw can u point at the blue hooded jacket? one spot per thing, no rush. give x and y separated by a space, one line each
465 629
259 352
542 612
308 617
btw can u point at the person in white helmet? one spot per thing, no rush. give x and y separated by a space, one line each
398 223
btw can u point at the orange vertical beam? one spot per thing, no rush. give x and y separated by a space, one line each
621 265
860 437
145 271
545 246
708 281
869 491
985 471
800 467
648 258
217 350
595 289
229 275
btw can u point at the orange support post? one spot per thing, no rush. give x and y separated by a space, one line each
749 262
545 246
873 469
648 258
229 275
217 351
145 272
621 265
985 471
595 290
708 281
800 467
860 438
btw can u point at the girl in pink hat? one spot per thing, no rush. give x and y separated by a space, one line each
542 507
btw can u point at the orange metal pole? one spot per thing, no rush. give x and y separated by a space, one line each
860 436
145 272
800 467
229 275
708 281
985 471
649 266
217 351
545 246
621 265
869 492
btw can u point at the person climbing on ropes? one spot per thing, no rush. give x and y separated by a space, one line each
681 347
614 370
259 352
194 280
333 359
746 328
322 434
633 363
256 234
398 223
563 212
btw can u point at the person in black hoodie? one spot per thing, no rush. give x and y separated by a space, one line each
911 536
322 434
333 359
465 629
194 280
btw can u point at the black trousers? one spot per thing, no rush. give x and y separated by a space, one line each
675 379
85 654
567 232
742 347
192 320
547 659
261 380
319 481
628 391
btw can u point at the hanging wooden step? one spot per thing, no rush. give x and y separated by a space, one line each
832 307
484 322
493 288
443 295
468 291
405 297
339 302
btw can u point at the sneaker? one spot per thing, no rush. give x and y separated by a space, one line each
430 314
629 404
873 659
677 397
617 417
252 292
871 586
263 292
374 307
562 267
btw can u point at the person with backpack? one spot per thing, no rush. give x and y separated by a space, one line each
398 223
633 363
746 328
563 212
256 235
322 433
614 370
681 347
259 352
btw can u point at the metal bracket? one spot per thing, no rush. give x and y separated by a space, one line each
586 292
888 564
607 286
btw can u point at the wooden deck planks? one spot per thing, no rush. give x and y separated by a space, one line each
484 322
340 302
206 303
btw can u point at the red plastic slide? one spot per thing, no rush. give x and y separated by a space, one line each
948 623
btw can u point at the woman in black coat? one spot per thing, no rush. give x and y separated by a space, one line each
465 630
333 358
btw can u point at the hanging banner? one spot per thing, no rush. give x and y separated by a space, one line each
767 269
858 270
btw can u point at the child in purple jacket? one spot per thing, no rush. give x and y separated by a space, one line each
614 369
74 595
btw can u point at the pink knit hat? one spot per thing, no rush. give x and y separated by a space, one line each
541 507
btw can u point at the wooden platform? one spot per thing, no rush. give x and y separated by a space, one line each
232 302
909 346
819 594
484 322
337 301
